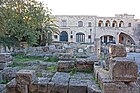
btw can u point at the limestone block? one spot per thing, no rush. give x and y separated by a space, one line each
121 87
9 73
93 87
84 64
5 57
118 87
11 86
65 66
65 56
117 51
25 77
69 50
123 69
43 85
133 87
77 86
59 83
82 76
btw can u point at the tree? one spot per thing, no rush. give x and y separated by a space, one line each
24 20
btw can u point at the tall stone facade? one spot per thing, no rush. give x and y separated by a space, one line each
122 28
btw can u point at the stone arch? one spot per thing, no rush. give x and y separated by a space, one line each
63 36
100 23
80 37
114 24
107 24
121 24
126 39
80 23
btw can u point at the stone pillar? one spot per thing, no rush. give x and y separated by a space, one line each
107 38
23 79
97 47
117 38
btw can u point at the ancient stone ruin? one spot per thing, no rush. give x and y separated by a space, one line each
74 74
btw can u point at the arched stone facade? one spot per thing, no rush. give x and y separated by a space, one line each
95 27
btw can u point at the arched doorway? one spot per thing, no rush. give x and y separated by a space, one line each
63 36
80 37
125 39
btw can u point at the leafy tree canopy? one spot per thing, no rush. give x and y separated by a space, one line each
24 20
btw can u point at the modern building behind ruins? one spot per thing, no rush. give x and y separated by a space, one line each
122 28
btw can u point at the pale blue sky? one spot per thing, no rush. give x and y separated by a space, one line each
102 8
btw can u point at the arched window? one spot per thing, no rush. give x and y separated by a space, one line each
129 24
107 24
114 24
100 23
63 36
80 37
80 23
121 24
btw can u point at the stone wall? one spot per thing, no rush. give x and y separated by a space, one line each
122 76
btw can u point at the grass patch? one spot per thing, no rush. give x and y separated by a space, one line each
4 82
52 68
73 71
22 58
39 75
51 59
88 71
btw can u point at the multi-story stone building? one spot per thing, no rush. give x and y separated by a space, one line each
122 28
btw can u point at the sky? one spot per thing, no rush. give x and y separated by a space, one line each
102 8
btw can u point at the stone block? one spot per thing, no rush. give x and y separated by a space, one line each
77 86
133 87
84 64
65 56
9 73
43 85
24 78
121 87
59 83
123 69
117 51
6 57
65 66
82 76
118 87
69 50
93 87
11 87
101 75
